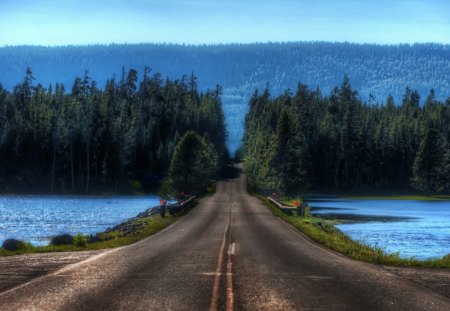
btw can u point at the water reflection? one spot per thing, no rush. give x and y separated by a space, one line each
37 218
413 228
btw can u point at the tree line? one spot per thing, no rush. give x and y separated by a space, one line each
305 140
92 140
240 68
375 69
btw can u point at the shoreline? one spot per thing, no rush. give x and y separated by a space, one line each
127 232
393 197
325 233
432 274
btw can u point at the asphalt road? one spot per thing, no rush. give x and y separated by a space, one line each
228 253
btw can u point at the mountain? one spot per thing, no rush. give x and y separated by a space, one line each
377 70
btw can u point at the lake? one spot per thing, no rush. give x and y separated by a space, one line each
36 219
419 229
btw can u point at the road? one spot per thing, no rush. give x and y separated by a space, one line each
228 253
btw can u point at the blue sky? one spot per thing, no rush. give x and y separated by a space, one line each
61 22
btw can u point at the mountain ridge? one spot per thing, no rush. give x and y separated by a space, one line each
376 71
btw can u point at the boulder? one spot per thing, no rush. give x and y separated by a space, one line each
63 239
12 245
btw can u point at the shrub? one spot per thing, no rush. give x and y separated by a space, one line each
15 245
63 239
136 185
80 240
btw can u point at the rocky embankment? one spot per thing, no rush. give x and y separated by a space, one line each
135 224
127 228
19 269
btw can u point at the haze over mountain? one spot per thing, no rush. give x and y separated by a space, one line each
377 70
49 22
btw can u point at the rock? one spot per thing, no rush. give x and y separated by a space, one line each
63 239
149 212
12 245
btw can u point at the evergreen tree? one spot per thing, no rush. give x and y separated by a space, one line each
339 142
193 164
430 166
287 160
98 139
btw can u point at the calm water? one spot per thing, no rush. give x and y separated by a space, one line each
412 228
37 218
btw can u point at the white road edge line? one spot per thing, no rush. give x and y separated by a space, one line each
77 264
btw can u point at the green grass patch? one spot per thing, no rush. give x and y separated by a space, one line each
211 189
291 202
149 226
325 233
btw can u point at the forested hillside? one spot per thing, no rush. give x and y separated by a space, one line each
82 139
305 140
240 68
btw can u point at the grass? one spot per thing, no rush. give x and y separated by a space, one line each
291 202
326 234
148 227
211 189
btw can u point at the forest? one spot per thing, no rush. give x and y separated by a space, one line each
306 141
377 71
120 138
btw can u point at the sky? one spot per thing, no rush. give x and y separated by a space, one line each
80 22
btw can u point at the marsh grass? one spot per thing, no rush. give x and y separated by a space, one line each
325 233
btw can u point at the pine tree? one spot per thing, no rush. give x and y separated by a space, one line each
193 164
94 139
287 159
430 166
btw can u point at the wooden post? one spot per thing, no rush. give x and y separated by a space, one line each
299 206
162 208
